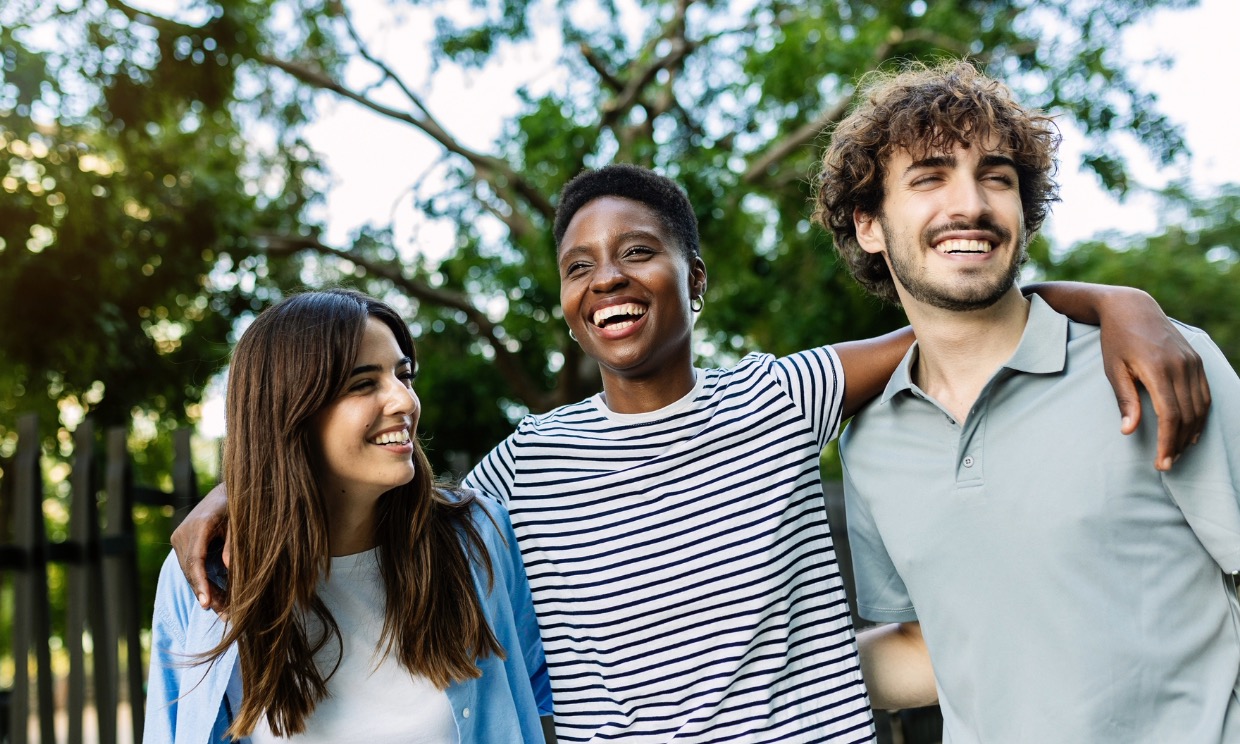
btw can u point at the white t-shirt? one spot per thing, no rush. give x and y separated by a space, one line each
371 699
681 563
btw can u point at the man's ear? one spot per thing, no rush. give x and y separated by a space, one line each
869 231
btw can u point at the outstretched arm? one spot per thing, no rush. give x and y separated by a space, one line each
896 665
191 540
868 365
1140 344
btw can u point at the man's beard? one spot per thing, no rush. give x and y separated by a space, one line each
961 296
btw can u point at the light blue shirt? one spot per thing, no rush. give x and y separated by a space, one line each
189 703
1068 592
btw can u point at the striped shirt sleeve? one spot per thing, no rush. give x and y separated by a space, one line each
814 380
495 474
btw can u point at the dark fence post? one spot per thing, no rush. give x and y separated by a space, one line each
121 565
102 596
31 607
82 558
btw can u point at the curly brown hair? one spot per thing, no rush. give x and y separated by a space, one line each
925 109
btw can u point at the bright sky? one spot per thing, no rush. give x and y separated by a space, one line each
373 186
1198 92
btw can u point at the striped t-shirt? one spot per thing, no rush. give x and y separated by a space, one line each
682 568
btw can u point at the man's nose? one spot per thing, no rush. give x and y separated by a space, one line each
969 200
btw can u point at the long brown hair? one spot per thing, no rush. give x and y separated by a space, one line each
291 362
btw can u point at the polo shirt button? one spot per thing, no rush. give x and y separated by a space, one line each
968 461
465 713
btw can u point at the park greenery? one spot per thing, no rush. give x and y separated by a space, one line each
156 187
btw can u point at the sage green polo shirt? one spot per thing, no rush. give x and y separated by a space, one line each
1068 591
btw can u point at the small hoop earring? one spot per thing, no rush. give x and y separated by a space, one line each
570 334
696 304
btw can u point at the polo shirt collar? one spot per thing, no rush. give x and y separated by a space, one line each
1043 349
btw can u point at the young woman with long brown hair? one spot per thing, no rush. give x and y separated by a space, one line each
365 602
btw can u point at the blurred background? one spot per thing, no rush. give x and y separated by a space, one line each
168 168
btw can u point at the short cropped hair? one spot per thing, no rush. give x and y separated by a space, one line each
639 184
924 110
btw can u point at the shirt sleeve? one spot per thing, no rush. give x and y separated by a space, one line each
814 379
1205 481
168 624
495 473
881 594
506 557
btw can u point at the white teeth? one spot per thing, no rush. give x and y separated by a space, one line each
963 246
601 316
392 437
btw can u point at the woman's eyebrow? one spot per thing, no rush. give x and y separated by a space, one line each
368 368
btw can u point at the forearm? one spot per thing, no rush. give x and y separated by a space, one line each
868 365
896 665
1091 303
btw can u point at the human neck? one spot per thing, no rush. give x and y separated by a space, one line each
958 352
644 394
351 529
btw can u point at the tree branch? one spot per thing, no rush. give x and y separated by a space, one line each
508 363
495 171
674 33
600 67
803 135
760 168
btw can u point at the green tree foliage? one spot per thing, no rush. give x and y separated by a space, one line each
1191 266
203 206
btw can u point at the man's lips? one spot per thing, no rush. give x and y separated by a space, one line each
963 245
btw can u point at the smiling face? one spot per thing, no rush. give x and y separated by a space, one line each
951 227
625 288
365 435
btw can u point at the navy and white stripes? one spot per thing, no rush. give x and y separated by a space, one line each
682 567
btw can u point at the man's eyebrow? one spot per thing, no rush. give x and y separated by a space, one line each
949 161
992 160
932 161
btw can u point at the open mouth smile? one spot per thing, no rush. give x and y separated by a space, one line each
617 317
960 246
400 436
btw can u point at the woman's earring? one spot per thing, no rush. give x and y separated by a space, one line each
696 304
570 334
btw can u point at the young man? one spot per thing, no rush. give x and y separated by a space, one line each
672 526
1067 590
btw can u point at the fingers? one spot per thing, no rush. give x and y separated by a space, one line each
191 541
1126 396
195 570
1200 400
1179 394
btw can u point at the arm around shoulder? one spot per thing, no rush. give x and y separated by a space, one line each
1140 344
868 365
